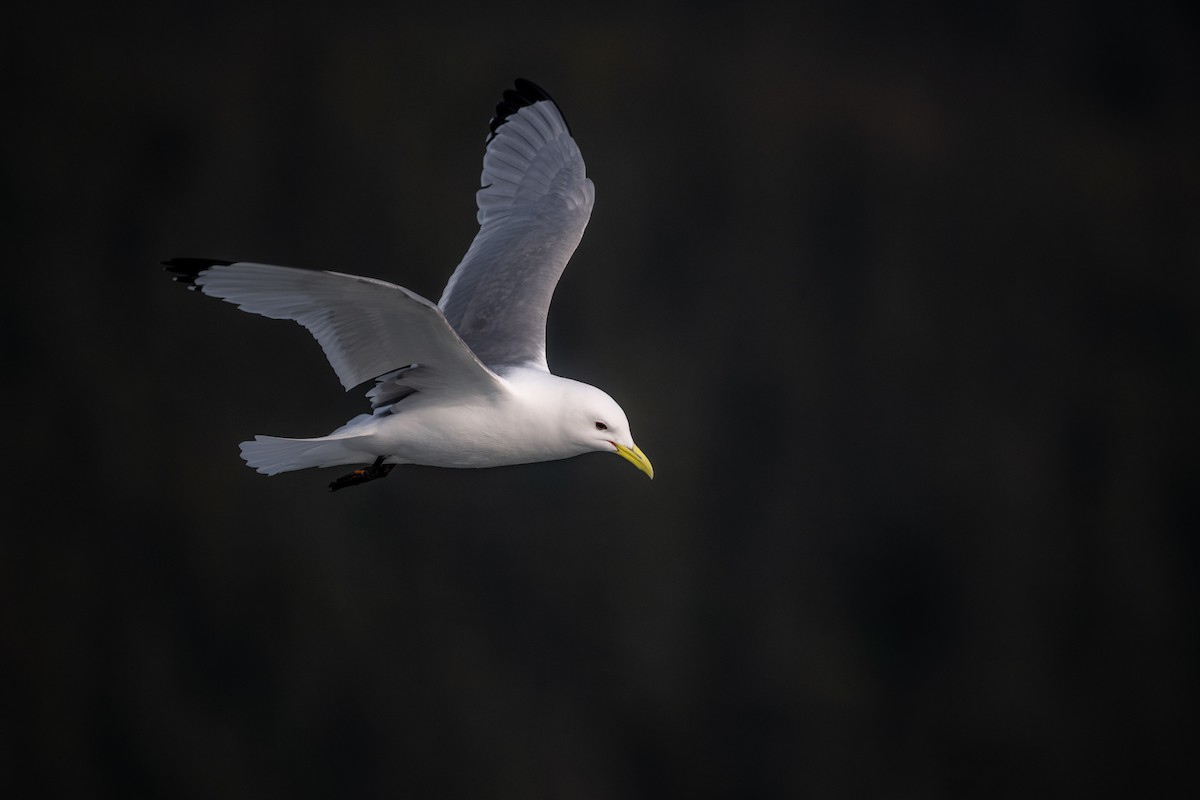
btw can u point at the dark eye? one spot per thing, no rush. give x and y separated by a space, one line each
600 426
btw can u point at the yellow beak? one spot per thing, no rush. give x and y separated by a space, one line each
636 457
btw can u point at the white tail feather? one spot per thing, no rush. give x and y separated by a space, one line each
272 455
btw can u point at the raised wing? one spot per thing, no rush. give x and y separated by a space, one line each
366 327
534 203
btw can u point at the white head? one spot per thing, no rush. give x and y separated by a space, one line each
594 421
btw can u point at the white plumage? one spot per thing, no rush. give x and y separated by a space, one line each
464 383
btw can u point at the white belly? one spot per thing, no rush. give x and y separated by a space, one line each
480 435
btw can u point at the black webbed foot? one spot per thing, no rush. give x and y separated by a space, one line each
376 470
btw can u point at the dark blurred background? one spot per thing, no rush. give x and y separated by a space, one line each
901 301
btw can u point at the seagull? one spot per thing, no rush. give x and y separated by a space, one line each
465 382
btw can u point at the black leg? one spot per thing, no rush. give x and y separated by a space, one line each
376 470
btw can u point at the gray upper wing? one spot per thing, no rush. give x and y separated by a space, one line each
366 327
534 204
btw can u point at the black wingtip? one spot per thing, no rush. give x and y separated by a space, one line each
525 93
188 269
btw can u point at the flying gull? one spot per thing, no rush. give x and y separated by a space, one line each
463 383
